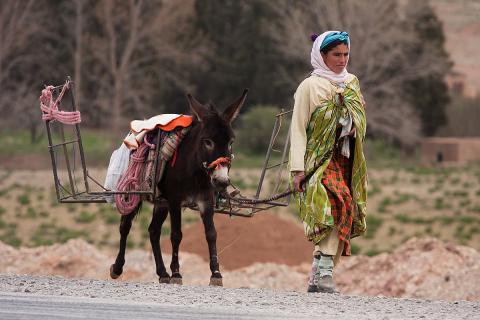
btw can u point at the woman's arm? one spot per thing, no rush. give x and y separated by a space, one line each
298 134
298 128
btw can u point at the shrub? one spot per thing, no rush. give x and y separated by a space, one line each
467 219
109 214
190 218
239 183
11 240
85 217
165 230
63 234
130 243
374 190
459 193
24 199
373 252
404 218
31 213
256 127
392 230
446 220
440 204
44 214
355 248
416 180
373 223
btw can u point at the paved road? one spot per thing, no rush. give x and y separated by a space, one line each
26 306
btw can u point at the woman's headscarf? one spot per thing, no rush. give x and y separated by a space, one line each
319 66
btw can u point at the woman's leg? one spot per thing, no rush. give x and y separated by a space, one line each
325 255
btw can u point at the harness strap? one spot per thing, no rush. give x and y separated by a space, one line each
217 163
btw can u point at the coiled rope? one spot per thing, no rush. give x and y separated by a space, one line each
129 181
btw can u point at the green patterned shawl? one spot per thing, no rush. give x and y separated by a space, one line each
314 204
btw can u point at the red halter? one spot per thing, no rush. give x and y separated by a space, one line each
217 163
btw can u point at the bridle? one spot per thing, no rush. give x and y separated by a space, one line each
216 164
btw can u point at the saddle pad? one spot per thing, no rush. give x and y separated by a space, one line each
166 122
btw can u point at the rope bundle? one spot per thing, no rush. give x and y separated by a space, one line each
129 181
50 109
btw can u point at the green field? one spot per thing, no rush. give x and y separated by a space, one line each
405 200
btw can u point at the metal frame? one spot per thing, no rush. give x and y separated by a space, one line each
71 194
280 166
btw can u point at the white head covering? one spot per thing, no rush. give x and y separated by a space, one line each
319 66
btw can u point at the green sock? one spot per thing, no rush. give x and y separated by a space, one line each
326 266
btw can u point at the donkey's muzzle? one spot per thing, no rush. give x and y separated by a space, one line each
220 184
220 178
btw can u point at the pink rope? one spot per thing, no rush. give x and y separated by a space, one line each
50 107
129 181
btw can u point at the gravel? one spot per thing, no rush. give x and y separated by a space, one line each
280 303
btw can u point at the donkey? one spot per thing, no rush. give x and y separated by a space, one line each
200 170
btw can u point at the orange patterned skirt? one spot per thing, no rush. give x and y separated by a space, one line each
337 181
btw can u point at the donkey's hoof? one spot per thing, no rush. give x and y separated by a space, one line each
164 280
176 279
113 274
218 282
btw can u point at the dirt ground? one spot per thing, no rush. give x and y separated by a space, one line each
244 241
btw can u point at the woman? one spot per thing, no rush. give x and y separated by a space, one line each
327 134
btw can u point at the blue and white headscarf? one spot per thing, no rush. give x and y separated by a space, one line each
319 66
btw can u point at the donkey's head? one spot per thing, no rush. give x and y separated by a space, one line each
214 138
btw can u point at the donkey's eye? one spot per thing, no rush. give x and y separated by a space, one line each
208 143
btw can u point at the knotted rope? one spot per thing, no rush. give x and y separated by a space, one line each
129 181
50 109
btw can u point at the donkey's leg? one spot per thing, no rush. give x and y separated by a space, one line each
175 238
116 269
211 235
155 228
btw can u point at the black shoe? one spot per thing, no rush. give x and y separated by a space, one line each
312 288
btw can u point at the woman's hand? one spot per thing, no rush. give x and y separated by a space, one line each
352 132
298 180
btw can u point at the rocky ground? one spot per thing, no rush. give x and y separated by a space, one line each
421 268
271 304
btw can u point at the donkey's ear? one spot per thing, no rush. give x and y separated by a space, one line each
232 111
197 109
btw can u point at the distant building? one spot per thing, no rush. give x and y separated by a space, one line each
450 150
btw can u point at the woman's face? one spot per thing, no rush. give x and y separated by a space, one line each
337 58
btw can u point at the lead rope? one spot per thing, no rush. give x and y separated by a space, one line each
245 200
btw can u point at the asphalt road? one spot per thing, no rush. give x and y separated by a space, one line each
26 306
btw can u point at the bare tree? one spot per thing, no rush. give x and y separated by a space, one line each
78 53
135 38
15 30
20 26
381 43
